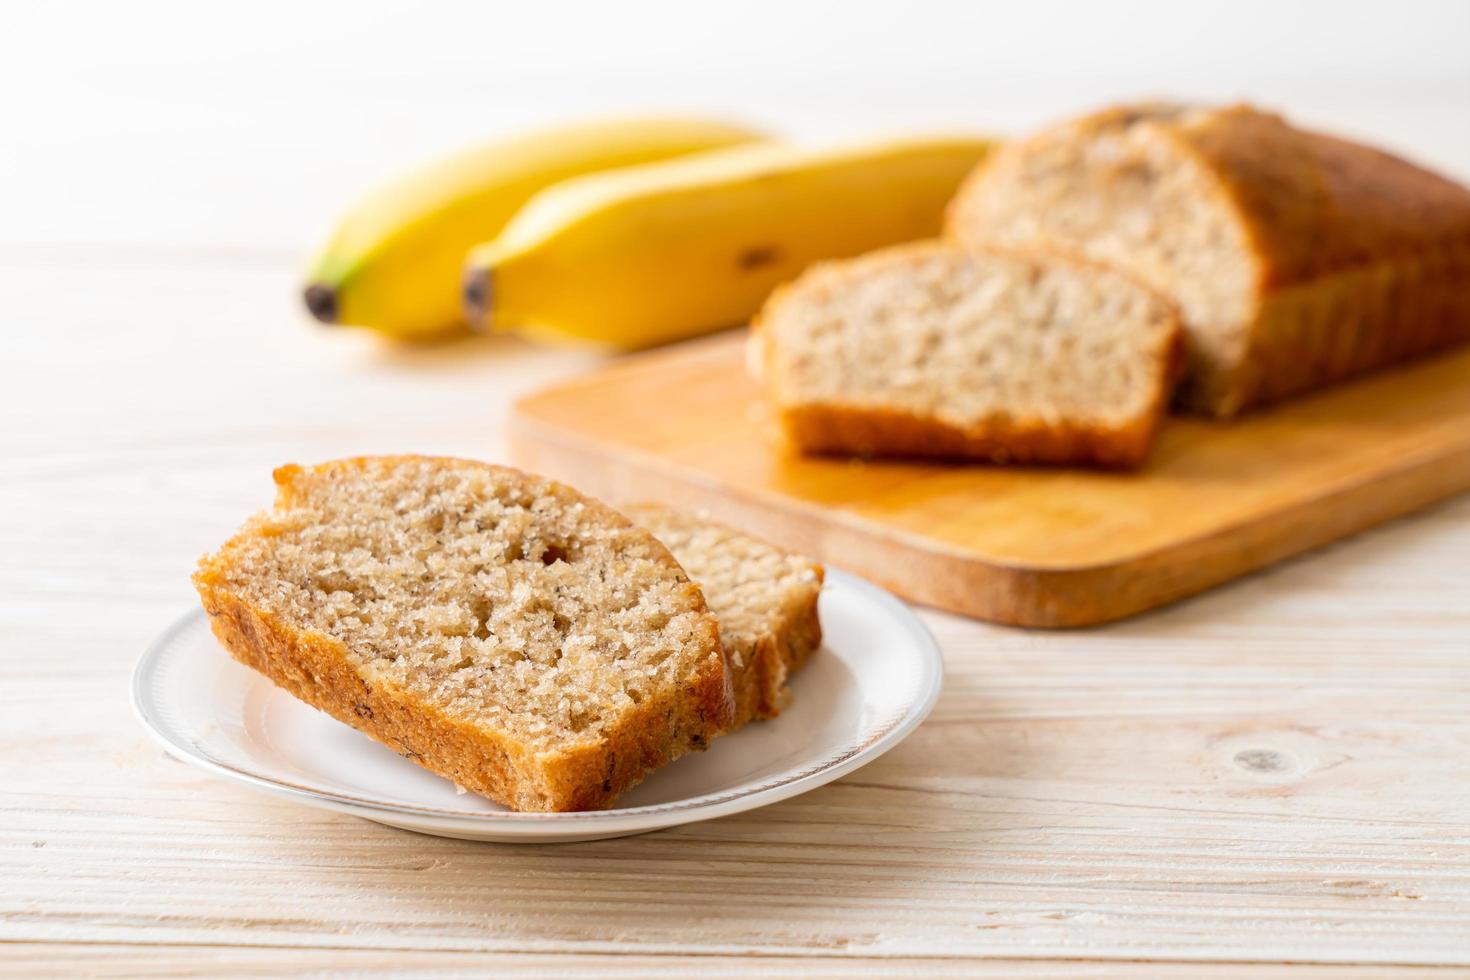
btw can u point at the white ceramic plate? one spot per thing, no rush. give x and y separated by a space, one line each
875 678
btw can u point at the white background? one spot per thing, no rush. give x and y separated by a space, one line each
258 121
164 168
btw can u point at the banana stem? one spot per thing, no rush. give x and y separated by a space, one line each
478 297
321 302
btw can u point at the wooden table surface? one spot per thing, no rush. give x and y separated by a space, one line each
1275 773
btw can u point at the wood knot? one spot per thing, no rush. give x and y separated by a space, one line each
1263 760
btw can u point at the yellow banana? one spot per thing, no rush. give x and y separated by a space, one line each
648 254
394 262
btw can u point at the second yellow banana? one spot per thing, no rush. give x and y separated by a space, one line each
653 253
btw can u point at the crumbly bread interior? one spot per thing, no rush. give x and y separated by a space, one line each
1117 188
505 601
962 337
761 595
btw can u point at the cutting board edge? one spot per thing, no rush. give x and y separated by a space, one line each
933 573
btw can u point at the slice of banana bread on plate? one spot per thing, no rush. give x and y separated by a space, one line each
764 598
498 628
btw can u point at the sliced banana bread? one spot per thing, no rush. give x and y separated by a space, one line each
498 628
764 598
935 350
1296 258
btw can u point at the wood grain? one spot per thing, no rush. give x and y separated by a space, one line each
1270 779
1275 772
159 962
1015 545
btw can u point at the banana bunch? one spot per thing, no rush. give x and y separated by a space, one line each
393 263
626 234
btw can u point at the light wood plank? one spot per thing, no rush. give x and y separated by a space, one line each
105 960
1108 793
1275 772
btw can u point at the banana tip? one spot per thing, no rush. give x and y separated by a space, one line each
477 298
321 302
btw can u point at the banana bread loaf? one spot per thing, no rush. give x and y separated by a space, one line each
1297 258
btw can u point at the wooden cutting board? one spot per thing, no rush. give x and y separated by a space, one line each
1022 546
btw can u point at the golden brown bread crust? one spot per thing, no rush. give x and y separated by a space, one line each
865 431
1364 257
1349 322
1315 204
1360 258
759 675
762 692
318 670
871 431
